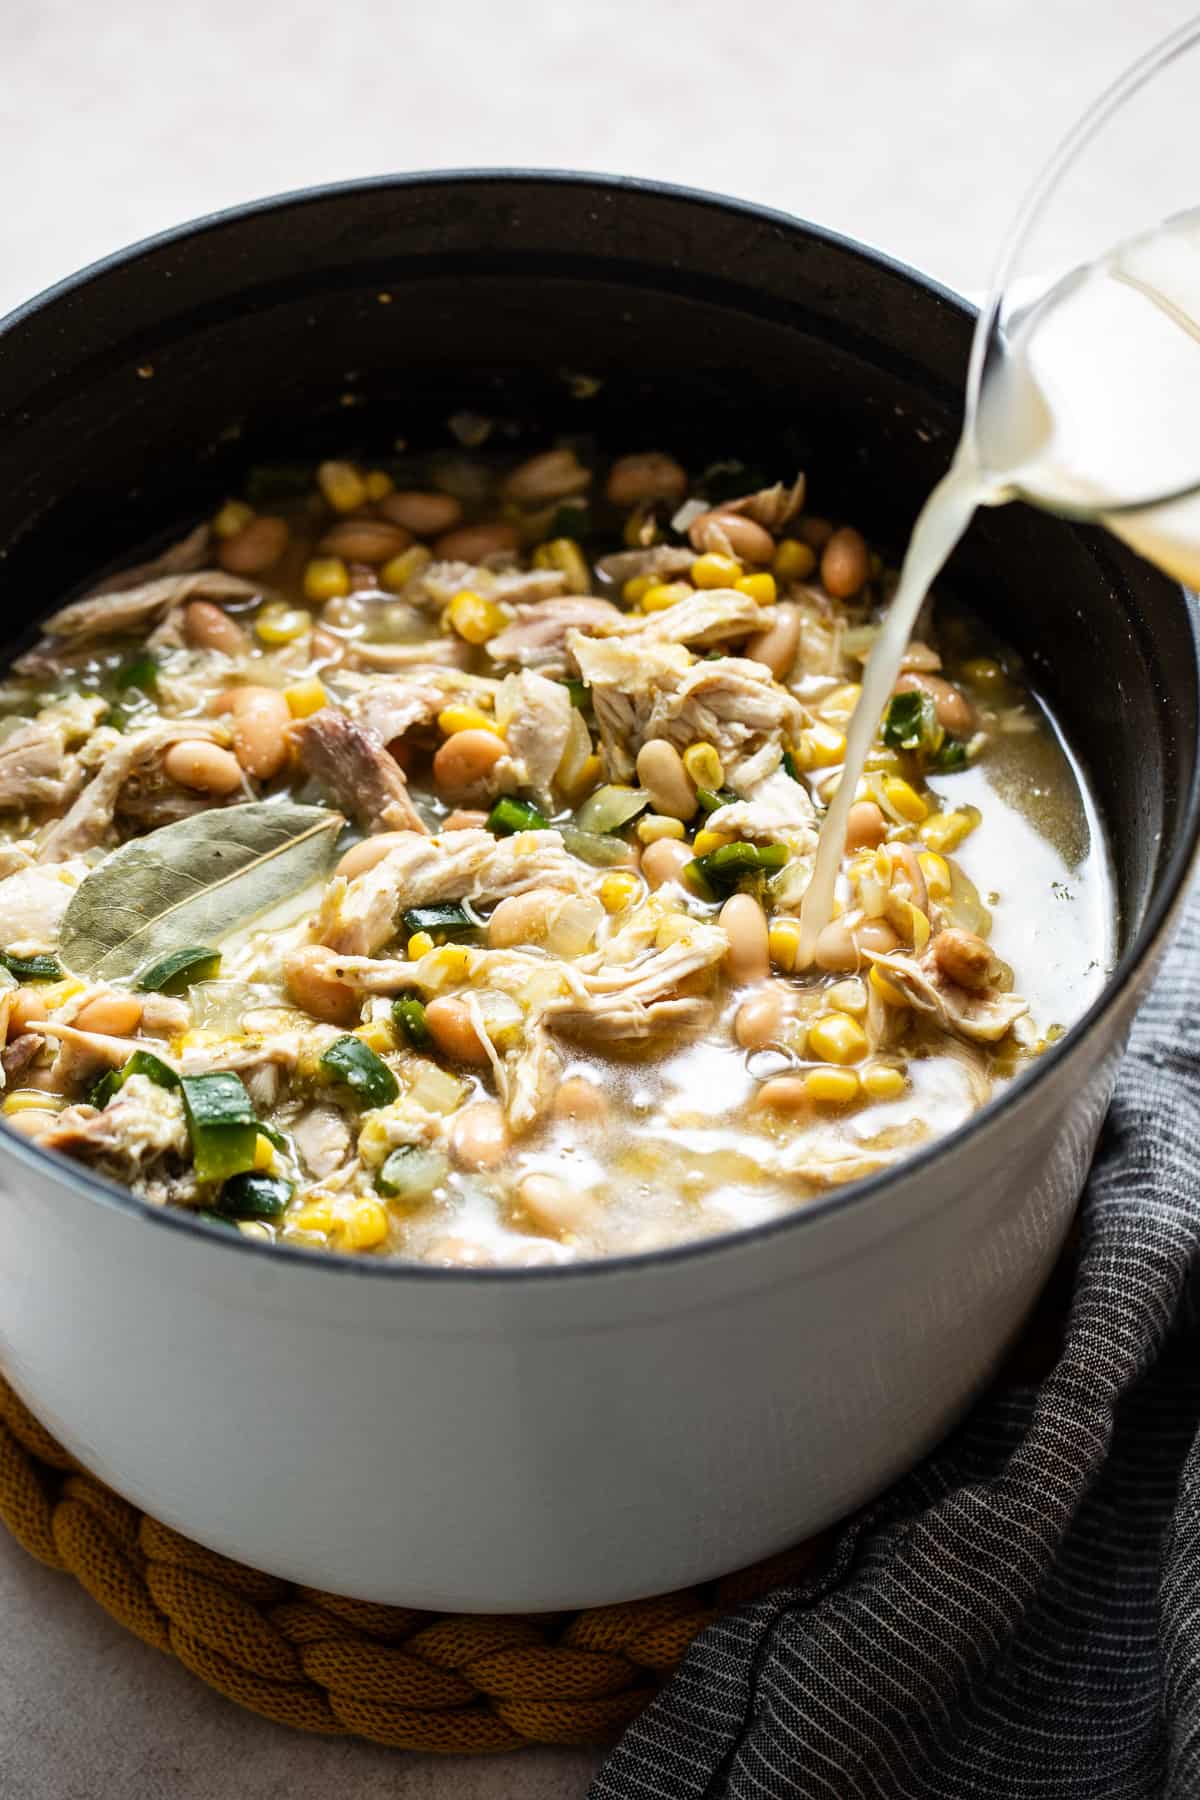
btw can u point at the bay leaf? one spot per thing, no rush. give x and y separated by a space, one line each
192 882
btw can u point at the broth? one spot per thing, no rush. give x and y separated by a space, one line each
561 988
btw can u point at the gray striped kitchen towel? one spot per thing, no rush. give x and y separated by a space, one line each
1019 1619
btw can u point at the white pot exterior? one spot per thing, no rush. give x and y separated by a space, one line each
549 1438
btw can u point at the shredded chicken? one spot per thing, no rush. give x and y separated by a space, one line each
663 560
136 608
36 766
359 917
979 1016
141 1123
538 727
323 1139
778 808
537 638
131 759
32 904
771 507
354 768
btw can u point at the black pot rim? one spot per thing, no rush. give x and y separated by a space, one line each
1159 912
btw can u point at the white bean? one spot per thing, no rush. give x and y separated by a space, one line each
748 957
776 647
661 772
479 1137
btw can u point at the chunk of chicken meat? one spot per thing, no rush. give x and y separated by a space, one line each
641 999
537 729
441 581
712 616
777 808
626 678
131 759
140 1124
770 507
36 765
359 917
537 638
980 1015
663 560
323 1139
32 904
391 707
137 608
353 767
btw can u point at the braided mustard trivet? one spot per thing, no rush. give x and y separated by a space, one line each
415 1680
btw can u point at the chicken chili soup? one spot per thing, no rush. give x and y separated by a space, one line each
412 865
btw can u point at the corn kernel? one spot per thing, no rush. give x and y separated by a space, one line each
398 571
713 571
419 944
366 1227
565 555
820 747
474 618
794 561
759 587
264 1153
233 517
837 1087
57 993
706 840
465 718
905 799
944 832
342 486
279 623
936 871
883 1082
451 962
887 989
306 698
33 1100
848 996
652 826
783 940
378 484
984 672
377 1035
664 594
837 707
315 1215
616 891
704 766
836 1038
636 587
326 578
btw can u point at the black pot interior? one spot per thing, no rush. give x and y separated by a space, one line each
351 319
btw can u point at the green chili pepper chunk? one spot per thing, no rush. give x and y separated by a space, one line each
142 1062
789 766
720 872
911 723
221 1124
950 758
510 815
579 691
31 968
710 802
408 1013
445 920
253 1195
137 672
357 1067
175 973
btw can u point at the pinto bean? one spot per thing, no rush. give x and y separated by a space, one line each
776 646
521 918
371 541
361 857
661 772
206 627
479 1137
472 543
255 547
453 1030
465 758
747 539
955 712
26 1009
748 957
580 1099
865 826
425 515
552 1206
962 957
665 860
648 475
261 717
116 1015
203 766
312 980
553 475
759 1019
783 1093
845 563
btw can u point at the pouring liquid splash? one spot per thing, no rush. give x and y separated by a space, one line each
1086 408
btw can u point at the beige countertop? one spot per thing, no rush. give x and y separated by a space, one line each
915 127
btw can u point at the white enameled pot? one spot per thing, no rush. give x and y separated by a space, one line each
552 1437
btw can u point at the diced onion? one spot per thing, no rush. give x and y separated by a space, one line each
610 807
